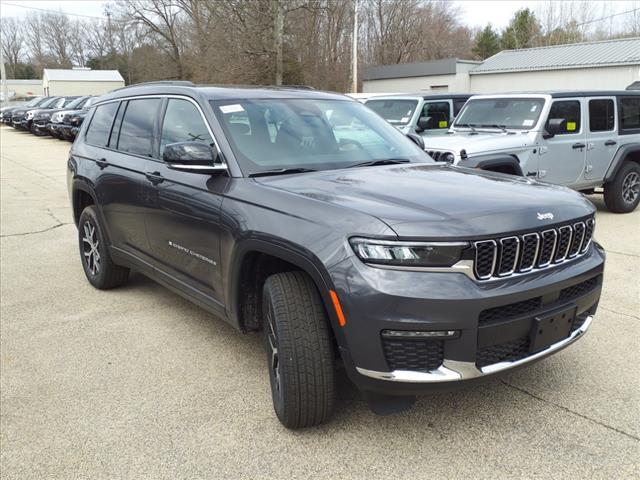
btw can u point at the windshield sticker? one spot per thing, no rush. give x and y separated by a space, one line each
571 126
442 124
404 119
534 108
527 123
231 108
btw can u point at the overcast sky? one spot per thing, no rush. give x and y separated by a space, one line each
473 12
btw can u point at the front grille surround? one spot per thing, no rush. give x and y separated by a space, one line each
515 254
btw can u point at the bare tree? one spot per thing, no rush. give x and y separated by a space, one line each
56 33
12 44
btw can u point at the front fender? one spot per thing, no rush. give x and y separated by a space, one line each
493 161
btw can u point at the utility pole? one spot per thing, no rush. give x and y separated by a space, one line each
278 33
354 50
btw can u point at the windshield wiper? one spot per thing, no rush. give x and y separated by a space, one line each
386 161
468 125
494 125
282 171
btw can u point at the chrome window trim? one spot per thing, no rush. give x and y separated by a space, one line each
535 254
454 370
515 261
589 223
553 249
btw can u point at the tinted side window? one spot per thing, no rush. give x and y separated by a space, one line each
601 115
183 123
439 111
136 132
100 126
570 111
457 106
629 113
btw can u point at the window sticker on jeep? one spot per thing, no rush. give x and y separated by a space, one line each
527 123
404 119
442 124
571 126
534 108
231 108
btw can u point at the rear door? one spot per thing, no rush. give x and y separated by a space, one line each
602 141
123 162
562 157
183 220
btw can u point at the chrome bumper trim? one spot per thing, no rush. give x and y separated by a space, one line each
452 370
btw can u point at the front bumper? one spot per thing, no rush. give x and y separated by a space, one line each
375 300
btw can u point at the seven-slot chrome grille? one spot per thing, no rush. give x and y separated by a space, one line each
502 257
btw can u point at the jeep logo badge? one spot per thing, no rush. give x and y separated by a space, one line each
545 216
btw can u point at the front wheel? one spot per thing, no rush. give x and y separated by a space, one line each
299 350
100 270
622 194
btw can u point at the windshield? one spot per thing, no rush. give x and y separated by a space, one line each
514 113
309 133
396 112
49 102
35 101
69 101
76 103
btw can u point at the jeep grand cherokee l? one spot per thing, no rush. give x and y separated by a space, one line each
341 244
583 140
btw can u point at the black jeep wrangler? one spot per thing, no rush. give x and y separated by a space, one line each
306 216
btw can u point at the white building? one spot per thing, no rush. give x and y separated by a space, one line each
446 75
23 88
80 81
605 65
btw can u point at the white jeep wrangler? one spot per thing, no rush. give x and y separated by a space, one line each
584 140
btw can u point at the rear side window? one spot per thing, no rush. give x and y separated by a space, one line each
630 113
570 111
136 132
100 126
601 115
183 123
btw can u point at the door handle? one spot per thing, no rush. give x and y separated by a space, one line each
154 177
610 143
102 163
578 145
532 174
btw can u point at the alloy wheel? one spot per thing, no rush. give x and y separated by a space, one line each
631 187
90 248
274 361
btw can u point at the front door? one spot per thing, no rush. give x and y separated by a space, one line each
602 141
183 219
562 157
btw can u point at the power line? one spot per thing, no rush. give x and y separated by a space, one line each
52 11
607 17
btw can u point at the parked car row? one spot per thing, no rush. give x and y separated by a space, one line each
58 116
583 140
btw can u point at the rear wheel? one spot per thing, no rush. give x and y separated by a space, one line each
622 194
299 350
100 270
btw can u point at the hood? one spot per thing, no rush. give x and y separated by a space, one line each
478 143
430 201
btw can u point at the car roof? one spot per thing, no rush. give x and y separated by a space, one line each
425 96
221 92
564 93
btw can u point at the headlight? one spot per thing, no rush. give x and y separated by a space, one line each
408 254
29 115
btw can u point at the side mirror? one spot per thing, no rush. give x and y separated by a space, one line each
192 157
417 139
554 127
426 123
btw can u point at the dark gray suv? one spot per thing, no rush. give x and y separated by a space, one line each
306 216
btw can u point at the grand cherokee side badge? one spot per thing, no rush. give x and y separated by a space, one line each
545 216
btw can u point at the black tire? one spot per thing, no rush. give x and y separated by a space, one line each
100 270
617 194
301 369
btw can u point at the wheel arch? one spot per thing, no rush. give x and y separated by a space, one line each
81 197
500 162
629 152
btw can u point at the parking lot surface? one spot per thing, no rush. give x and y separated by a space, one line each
138 383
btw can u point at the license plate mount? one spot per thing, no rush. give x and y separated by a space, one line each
551 328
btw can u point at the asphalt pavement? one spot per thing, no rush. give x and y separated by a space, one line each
139 383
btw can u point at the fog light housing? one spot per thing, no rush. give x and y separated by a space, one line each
421 334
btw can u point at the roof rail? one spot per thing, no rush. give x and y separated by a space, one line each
271 87
177 83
